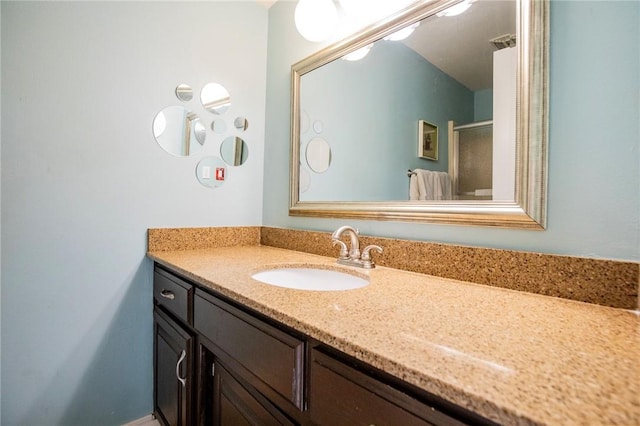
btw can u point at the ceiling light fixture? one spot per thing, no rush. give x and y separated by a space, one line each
316 19
456 9
358 54
403 33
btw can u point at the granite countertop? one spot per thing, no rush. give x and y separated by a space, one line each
513 357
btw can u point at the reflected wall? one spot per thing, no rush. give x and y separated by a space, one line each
376 143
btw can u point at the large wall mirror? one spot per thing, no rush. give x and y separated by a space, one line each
430 115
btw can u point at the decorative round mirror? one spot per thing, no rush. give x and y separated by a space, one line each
184 92
215 98
318 155
179 131
304 121
318 126
234 151
305 179
218 126
211 172
241 123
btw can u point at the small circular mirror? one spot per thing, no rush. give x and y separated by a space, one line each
179 131
215 98
218 126
211 172
241 123
184 92
234 151
318 155
305 179
199 131
304 121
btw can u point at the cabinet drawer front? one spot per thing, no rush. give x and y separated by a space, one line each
342 395
173 294
271 355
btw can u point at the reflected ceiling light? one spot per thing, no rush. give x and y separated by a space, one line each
316 19
403 33
358 54
456 9
159 124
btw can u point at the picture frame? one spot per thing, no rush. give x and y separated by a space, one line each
427 140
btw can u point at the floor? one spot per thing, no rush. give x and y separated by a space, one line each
144 421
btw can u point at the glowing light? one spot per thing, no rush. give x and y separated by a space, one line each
456 9
316 19
358 54
403 33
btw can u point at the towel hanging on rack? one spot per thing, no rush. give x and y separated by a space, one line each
429 185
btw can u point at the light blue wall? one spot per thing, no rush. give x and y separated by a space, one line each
594 183
483 105
0 218
83 179
399 90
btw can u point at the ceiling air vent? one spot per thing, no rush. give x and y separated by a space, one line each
507 40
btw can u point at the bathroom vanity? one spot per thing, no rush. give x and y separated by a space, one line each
220 362
407 348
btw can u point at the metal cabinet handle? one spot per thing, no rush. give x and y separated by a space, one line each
167 294
180 379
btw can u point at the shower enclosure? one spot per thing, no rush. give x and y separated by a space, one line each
471 160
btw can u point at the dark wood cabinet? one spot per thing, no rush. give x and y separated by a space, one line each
343 395
218 362
173 368
228 400
270 359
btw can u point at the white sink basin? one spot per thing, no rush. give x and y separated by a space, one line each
302 278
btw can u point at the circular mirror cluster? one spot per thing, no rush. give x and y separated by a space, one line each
317 152
181 132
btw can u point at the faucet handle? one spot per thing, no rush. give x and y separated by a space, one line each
366 255
344 252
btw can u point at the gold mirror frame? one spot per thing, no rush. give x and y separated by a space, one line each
530 206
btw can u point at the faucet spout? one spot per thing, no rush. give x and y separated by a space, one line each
354 251
353 257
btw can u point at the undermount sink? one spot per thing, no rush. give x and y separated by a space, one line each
306 278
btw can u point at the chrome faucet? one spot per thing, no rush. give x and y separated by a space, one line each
352 256
354 251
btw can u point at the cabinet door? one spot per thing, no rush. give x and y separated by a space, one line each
342 395
228 402
273 358
173 365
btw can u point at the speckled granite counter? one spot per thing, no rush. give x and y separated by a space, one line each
513 357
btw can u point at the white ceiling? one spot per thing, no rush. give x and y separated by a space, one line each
460 45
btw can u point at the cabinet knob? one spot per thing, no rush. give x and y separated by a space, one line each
180 379
167 294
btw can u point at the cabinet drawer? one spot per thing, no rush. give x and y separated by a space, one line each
274 357
342 395
173 294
